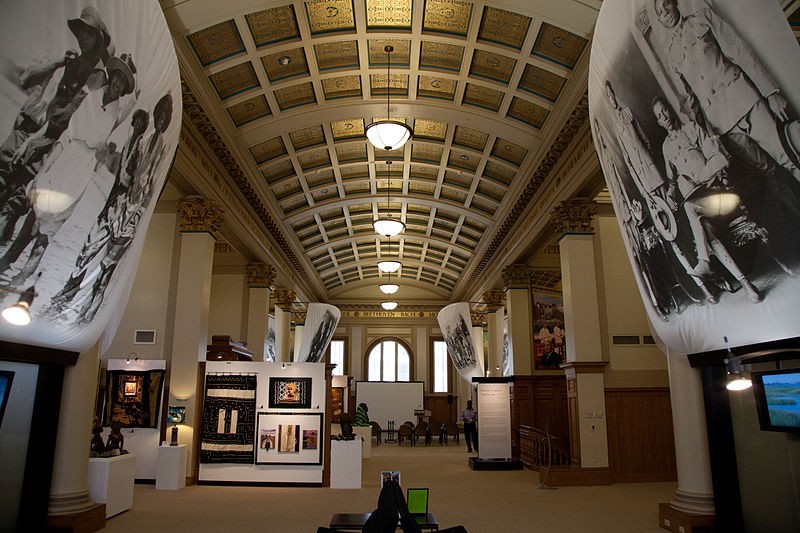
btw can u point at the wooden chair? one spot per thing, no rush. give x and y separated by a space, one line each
422 430
405 432
376 432
437 430
451 429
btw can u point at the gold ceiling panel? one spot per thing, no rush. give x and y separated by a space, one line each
341 87
527 112
286 64
398 84
441 56
433 130
470 138
422 188
327 16
349 153
347 129
278 171
480 96
294 203
464 160
426 153
422 172
296 95
509 151
361 187
454 195
336 55
457 179
401 56
447 16
217 42
491 191
558 46
303 138
499 172
287 188
273 25
354 173
269 149
547 280
389 14
435 87
541 82
485 206
249 110
235 80
503 27
394 155
324 194
492 66
321 177
316 159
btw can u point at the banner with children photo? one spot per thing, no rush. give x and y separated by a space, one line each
548 331
90 108
695 122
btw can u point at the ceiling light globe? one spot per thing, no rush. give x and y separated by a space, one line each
389 266
18 314
389 288
388 134
389 305
388 227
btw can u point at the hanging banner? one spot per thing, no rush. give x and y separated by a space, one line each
695 122
456 325
321 322
90 108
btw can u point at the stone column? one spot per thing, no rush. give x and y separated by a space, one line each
478 323
283 323
70 505
299 319
199 219
517 282
260 278
584 366
495 313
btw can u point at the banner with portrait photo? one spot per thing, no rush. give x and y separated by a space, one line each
90 108
695 121
321 322
456 325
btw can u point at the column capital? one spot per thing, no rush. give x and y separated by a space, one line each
574 216
477 319
494 300
284 298
299 317
517 276
260 275
199 214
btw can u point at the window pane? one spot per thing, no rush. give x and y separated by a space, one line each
337 357
439 366
403 364
375 364
389 353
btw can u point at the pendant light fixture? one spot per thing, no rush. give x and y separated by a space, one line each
388 134
390 265
389 306
386 225
389 287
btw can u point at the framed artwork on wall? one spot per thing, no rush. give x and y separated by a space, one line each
289 438
289 393
337 404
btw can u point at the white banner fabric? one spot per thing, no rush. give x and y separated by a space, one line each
455 323
321 322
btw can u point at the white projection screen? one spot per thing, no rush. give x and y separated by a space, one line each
390 400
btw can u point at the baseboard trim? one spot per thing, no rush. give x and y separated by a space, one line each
680 522
574 476
88 521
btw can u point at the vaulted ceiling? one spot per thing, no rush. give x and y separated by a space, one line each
282 91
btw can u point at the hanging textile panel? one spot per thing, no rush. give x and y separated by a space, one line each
133 398
229 416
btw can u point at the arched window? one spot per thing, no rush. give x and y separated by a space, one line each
388 360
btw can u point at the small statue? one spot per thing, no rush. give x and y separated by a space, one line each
97 447
116 441
347 428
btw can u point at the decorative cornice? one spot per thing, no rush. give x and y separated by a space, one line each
284 298
194 110
199 214
260 275
494 300
554 153
478 319
574 216
517 276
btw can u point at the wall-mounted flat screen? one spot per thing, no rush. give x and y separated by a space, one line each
778 399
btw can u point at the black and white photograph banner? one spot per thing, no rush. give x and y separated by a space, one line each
456 325
321 322
229 419
90 107
695 116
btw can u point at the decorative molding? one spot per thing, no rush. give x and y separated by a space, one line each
517 276
477 318
299 316
284 298
494 300
574 216
199 214
260 275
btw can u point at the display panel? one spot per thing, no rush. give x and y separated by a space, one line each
778 399
289 438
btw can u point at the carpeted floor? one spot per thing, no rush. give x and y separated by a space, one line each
482 501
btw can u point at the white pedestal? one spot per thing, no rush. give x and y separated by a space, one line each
171 467
366 446
111 482
346 464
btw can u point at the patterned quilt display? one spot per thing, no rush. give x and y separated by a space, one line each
133 398
229 416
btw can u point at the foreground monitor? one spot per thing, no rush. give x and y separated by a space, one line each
777 395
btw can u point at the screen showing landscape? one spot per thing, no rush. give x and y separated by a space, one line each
778 399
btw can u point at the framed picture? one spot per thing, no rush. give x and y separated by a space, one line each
6 379
337 404
289 393
130 389
176 414
289 438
